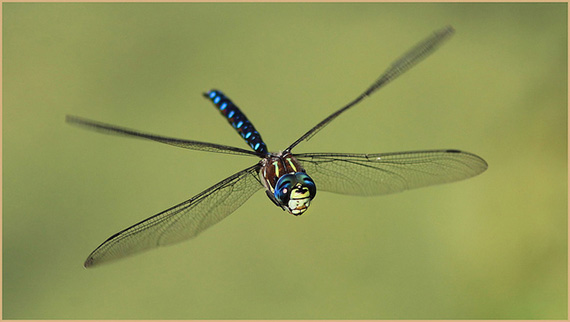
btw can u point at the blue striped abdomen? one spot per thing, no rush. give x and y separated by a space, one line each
238 120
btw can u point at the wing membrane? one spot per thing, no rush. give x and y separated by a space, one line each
384 173
397 68
186 144
183 221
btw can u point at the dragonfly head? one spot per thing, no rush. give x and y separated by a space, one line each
295 192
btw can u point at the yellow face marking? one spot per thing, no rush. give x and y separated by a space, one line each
298 206
296 194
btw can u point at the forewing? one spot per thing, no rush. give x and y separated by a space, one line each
181 143
400 66
384 173
183 221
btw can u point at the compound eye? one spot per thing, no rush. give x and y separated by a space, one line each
295 191
307 183
283 188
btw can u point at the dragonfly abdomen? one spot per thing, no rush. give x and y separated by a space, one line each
238 121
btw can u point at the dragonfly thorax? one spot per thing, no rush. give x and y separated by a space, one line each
286 183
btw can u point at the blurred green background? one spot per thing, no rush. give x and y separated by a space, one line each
492 247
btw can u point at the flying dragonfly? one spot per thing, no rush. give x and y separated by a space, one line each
289 179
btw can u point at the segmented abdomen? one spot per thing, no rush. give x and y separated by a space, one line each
238 120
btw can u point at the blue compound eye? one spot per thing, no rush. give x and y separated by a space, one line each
283 188
308 183
295 191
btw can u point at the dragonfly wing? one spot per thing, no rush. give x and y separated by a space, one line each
182 143
397 68
384 173
183 221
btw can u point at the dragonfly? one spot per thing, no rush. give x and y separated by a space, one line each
289 179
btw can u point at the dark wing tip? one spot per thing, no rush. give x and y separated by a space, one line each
447 29
483 165
88 262
71 119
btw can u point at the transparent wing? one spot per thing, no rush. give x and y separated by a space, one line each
384 173
183 221
186 144
397 68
